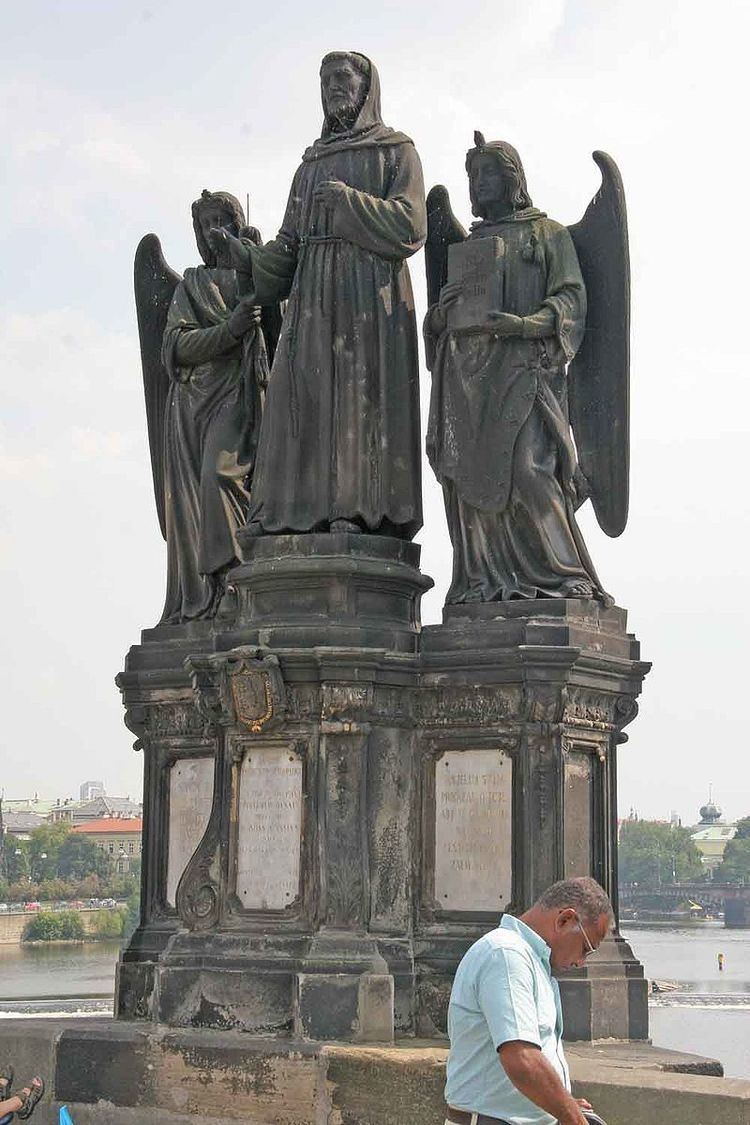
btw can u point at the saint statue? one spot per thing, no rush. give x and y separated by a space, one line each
339 447
205 367
515 359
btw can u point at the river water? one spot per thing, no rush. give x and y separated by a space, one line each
709 1014
57 978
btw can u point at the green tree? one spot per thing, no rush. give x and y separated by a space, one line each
66 925
133 918
71 925
109 923
743 829
655 855
16 858
44 849
735 864
79 857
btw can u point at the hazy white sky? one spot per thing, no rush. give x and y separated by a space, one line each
116 113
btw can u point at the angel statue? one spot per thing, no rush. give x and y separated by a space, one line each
516 361
204 351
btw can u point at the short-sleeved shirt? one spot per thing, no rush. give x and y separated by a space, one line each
503 991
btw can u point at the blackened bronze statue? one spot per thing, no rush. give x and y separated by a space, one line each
526 336
339 447
205 367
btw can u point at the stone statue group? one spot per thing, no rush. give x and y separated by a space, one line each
282 379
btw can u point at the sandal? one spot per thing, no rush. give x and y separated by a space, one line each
36 1091
6 1075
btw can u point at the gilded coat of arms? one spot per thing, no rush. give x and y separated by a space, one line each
252 696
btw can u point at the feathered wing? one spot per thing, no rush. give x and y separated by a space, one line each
443 229
599 375
155 284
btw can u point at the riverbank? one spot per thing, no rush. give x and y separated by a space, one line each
13 926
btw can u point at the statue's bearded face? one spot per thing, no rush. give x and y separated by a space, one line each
487 180
343 87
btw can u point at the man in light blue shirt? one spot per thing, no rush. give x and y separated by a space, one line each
506 1061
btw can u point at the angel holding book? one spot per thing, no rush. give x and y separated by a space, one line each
507 318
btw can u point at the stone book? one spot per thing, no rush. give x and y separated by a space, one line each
478 265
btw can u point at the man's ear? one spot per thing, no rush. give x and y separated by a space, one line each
565 917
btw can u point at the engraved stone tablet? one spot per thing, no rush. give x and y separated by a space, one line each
270 828
478 265
191 789
578 790
473 830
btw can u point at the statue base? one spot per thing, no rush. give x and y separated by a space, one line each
338 802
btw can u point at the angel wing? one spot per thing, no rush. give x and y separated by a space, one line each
443 229
155 284
599 376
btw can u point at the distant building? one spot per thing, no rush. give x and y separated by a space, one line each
711 835
21 824
91 789
118 837
82 812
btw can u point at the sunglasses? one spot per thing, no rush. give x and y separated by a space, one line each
589 947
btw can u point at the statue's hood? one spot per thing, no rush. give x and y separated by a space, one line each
368 128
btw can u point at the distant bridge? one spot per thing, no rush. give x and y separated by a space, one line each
732 900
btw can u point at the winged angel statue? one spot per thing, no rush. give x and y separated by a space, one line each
205 356
527 337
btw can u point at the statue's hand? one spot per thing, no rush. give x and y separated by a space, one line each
242 318
505 324
329 192
449 294
222 241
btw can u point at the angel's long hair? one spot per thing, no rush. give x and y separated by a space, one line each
517 193
231 207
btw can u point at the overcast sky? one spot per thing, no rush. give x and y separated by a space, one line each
116 113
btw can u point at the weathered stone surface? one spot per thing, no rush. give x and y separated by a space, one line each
132 1074
369 705
226 999
269 828
473 830
191 787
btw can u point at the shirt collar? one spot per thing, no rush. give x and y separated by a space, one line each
531 937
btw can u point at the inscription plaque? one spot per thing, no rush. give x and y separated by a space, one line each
473 830
578 788
269 828
191 790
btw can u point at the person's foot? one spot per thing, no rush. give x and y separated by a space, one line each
29 1097
580 589
346 525
6 1081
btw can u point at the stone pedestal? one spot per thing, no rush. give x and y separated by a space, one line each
337 802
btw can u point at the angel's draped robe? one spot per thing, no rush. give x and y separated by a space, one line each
211 426
340 437
498 436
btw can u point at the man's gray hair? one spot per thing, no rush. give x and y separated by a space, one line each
582 894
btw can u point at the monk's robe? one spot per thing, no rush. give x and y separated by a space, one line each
340 437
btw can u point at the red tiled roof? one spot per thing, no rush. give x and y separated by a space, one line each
114 824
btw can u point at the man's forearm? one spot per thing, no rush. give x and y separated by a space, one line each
537 1079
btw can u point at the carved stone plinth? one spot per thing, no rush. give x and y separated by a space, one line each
380 794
